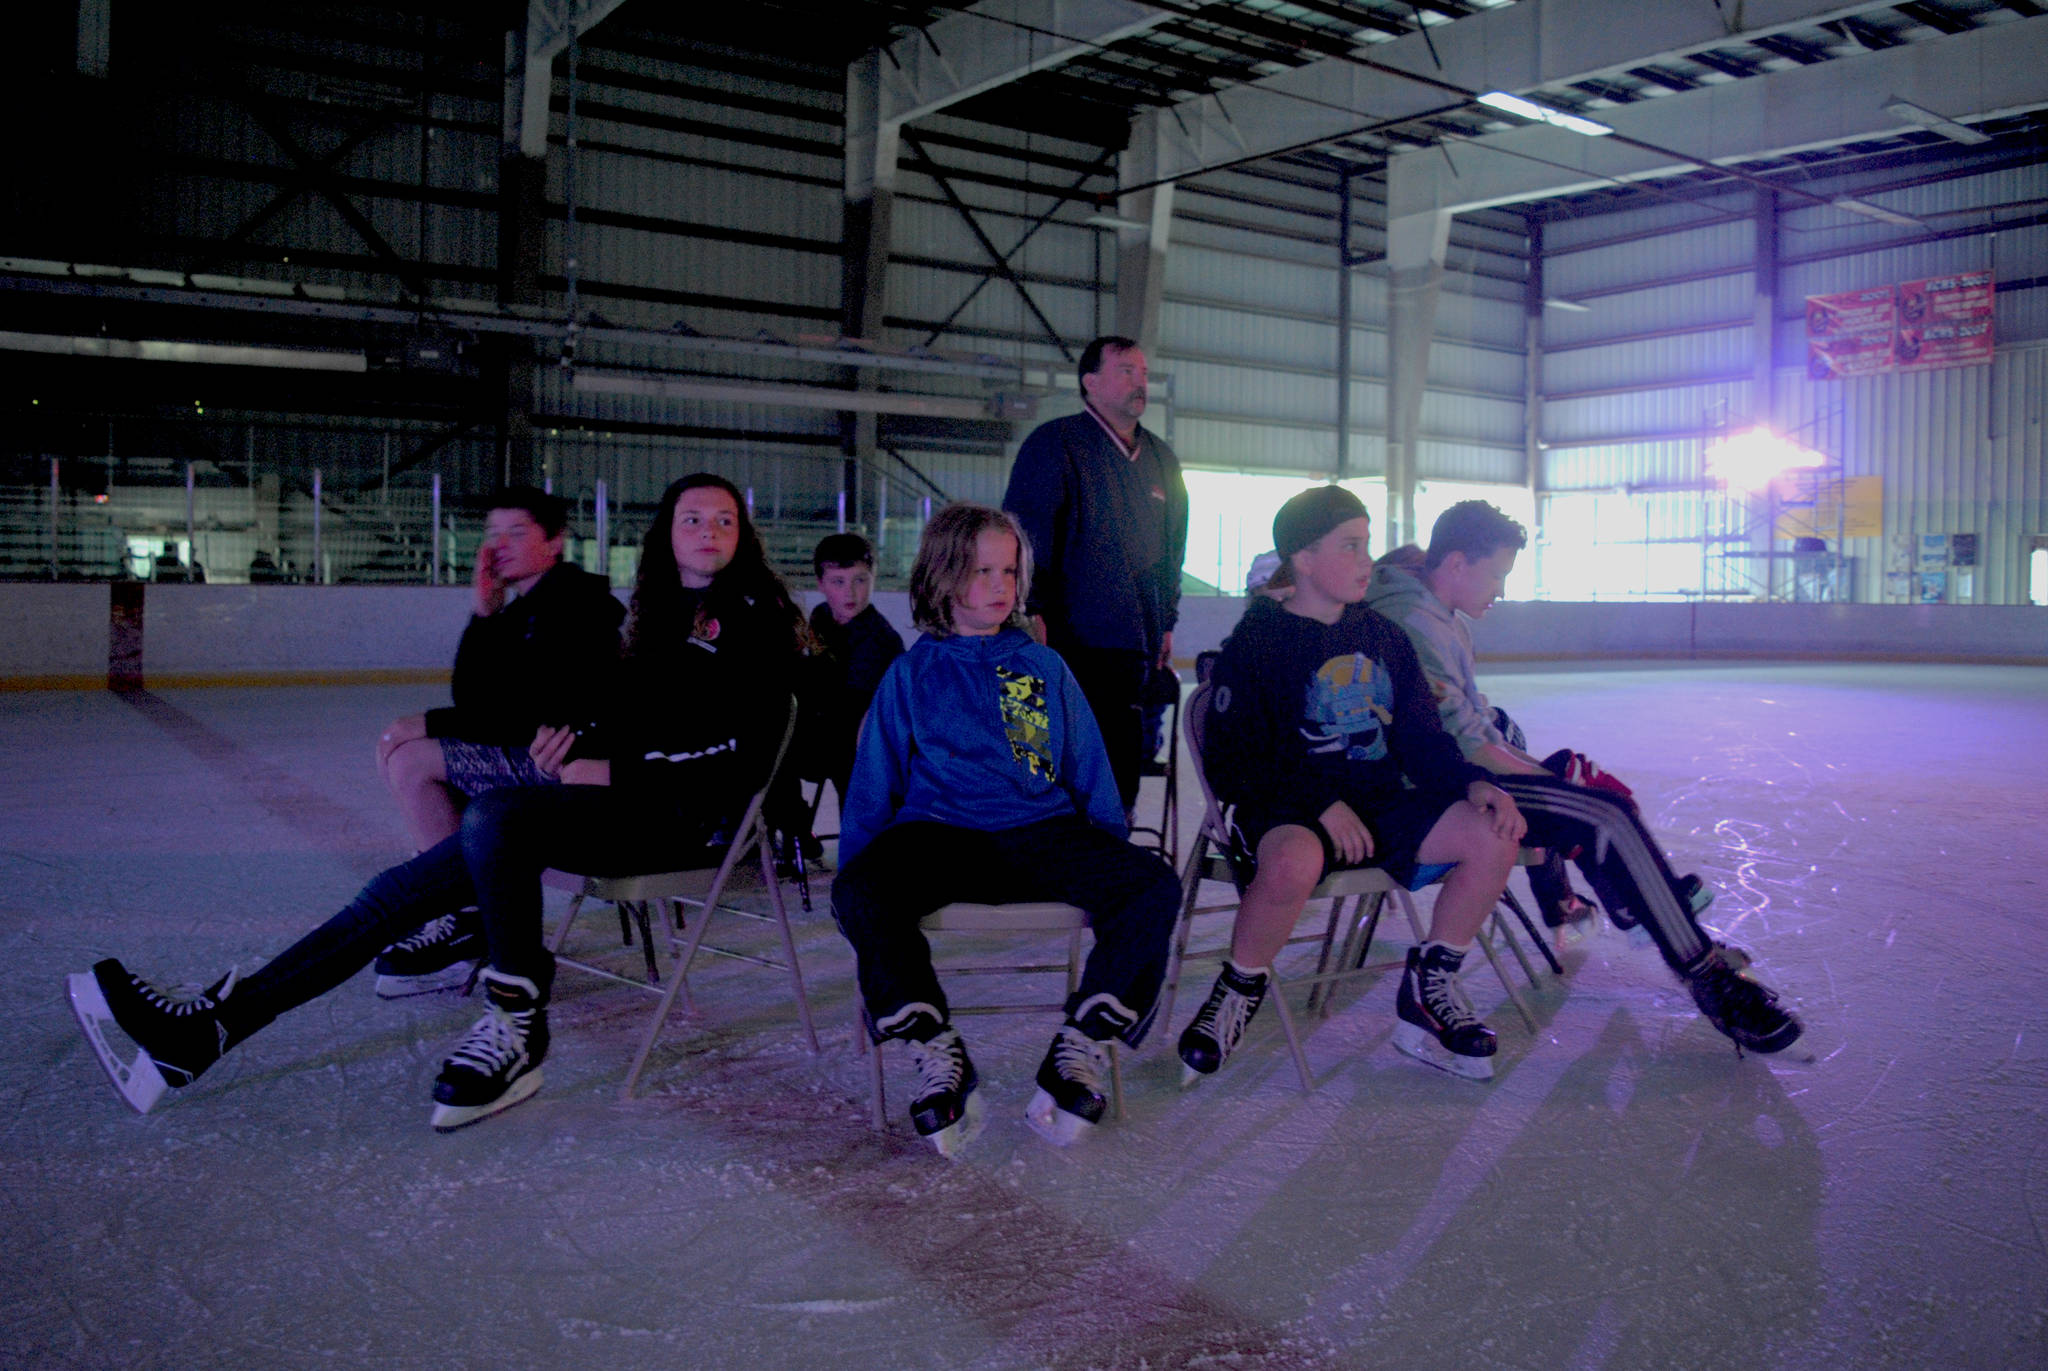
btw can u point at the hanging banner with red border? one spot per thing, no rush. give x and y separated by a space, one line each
1943 321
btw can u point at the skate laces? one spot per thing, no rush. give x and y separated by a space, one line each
494 1043
181 1001
1078 1058
941 1064
435 930
1223 1018
1437 988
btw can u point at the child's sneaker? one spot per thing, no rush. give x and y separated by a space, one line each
498 1064
179 1036
1208 1042
1436 1025
1745 1010
1070 1098
442 954
947 1109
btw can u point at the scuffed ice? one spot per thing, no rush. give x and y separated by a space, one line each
1627 1194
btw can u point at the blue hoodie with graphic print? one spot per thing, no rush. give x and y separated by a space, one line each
986 732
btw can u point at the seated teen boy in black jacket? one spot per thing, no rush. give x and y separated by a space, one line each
1324 736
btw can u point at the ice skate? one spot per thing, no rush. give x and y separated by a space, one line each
498 1064
1692 892
1745 1010
1069 1103
443 954
177 1037
947 1110
1436 1026
1207 1043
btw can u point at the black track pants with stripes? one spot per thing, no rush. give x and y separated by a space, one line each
1621 857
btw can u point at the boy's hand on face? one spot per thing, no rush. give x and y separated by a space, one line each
1348 833
1503 816
490 590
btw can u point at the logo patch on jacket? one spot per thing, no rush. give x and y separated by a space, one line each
1026 722
1350 703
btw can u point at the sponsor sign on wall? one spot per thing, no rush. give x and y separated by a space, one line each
1944 321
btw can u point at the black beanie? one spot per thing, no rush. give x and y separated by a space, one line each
1311 514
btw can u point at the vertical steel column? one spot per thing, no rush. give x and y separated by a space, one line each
603 526
1763 344
1532 383
434 565
56 488
319 561
1343 465
191 519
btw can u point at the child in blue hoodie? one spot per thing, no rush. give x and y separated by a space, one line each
981 777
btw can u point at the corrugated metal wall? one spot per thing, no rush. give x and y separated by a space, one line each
1666 352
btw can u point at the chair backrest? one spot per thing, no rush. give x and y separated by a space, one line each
1195 724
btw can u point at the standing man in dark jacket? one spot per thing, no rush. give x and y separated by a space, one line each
1104 505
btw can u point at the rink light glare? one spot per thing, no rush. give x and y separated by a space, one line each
1529 109
1753 459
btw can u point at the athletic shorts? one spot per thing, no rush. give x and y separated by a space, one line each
1397 829
474 768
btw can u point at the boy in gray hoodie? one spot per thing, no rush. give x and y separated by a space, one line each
1569 802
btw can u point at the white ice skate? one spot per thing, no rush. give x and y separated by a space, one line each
139 1082
952 1140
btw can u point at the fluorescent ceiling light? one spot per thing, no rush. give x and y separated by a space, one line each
1573 305
1940 123
1116 221
1529 109
1877 212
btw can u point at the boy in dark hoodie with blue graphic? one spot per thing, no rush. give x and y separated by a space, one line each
981 776
1324 737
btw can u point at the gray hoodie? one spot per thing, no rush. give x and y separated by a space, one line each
1443 645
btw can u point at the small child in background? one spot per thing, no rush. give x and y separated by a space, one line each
982 777
859 646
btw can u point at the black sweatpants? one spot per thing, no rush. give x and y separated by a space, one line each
1132 899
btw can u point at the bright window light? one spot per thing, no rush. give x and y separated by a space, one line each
1529 109
1754 458
2037 576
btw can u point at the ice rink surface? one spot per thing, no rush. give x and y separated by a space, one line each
1626 1194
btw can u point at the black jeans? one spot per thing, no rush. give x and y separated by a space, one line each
508 838
910 869
1113 680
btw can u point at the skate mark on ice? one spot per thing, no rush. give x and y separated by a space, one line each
310 813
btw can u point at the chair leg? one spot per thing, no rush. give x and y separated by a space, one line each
1191 886
1542 943
1318 990
1521 1006
561 937
1116 1081
646 939
1277 993
878 1115
796 975
1507 934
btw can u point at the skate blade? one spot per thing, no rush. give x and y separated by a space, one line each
1055 1124
1190 1078
952 1140
457 977
449 1117
1422 1045
139 1081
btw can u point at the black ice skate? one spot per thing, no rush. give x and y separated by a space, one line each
947 1109
1692 892
443 954
498 1064
1208 1042
178 1036
1436 1025
1069 1102
1740 1007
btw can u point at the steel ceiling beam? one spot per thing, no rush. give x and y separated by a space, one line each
1520 48
1984 73
549 26
976 50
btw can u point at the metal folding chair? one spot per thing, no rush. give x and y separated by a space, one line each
701 887
1363 890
